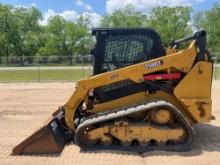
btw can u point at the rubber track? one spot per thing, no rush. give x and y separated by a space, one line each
118 113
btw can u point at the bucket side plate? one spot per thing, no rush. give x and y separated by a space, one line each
48 139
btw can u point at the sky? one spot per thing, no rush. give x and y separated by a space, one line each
71 9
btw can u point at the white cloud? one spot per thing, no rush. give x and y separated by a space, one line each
79 2
95 18
26 6
83 4
88 7
46 16
69 15
112 5
33 4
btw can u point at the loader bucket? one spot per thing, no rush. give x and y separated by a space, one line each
49 139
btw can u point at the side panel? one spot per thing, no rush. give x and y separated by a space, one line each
195 91
121 102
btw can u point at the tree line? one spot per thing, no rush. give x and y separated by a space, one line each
171 22
22 35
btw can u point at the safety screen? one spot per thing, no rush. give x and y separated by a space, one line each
124 50
118 90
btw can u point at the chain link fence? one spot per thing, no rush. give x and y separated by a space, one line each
45 68
216 65
58 68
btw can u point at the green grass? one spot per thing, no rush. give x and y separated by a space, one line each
54 75
45 75
216 74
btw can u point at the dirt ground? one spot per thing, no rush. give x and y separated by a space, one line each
24 107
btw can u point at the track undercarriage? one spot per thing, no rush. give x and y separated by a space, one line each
162 126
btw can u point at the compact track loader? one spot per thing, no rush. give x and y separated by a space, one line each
141 97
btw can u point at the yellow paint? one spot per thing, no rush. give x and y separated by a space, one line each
143 132
200 109
162 116
182 60
195 91
197 83
121 102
